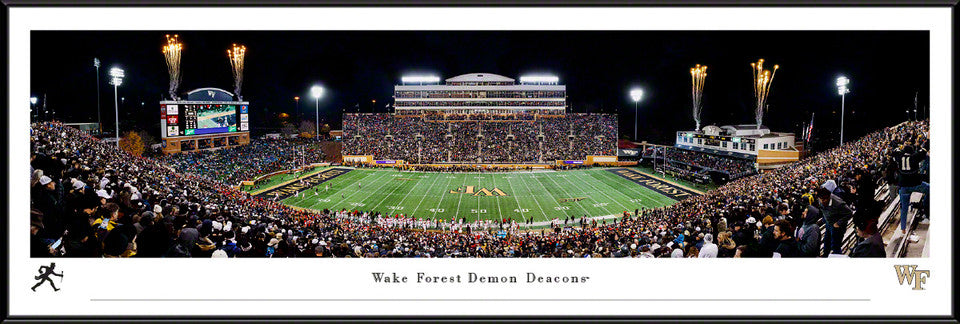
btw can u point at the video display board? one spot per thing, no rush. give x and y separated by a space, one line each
188 119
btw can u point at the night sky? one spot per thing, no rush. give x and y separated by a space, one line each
886 69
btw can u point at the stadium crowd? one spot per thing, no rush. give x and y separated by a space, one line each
418 139
89 199
731 166
235 164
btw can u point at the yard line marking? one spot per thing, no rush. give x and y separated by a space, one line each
380 177
389 194
424 196
460 197
545 217
515 197
648 196
568 194
352 181
347 177
400 204
442 193
610 175
499 210
601 191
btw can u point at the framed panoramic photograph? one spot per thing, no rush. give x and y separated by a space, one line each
421 162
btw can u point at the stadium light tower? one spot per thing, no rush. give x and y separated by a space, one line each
297 100
33 104
842 89
116 75
636 95
317 92
96 64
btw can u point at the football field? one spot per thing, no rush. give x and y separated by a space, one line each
540 196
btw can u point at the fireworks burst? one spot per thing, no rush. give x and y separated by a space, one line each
698 75
236 63
762 79
171 52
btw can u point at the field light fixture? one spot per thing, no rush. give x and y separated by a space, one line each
842 90
116 75
539 79
317 91
420 79
636 94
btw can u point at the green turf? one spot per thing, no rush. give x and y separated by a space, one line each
528 195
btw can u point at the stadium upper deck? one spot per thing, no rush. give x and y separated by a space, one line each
481 93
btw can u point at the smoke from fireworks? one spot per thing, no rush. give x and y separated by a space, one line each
762 79
171 52
698 76
236 63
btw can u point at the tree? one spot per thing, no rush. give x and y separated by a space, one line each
307 127
325 130
147 138
288 130
132 143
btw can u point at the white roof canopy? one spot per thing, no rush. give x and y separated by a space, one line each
480 77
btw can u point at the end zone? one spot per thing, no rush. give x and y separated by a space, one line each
665 188
291 187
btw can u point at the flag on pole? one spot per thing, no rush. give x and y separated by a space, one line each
809 131
96 62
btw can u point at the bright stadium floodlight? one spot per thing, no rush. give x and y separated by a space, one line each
317 92
842 90
421 79
539 79
33 107
635 94
116 75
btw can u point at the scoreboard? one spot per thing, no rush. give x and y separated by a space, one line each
189 118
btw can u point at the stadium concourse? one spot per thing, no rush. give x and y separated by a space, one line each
89 199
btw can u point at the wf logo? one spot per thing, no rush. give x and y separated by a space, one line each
481 192
912 275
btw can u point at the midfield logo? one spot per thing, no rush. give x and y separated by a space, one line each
481 192
912 275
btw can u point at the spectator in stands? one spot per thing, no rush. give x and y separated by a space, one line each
709 249
727 247
787 244
836 213
910 180
872 244
865 189
768 241
808 234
